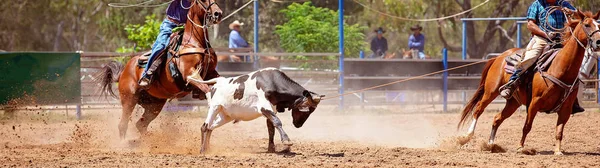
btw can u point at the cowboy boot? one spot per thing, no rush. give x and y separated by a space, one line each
507 89
576 107
144 82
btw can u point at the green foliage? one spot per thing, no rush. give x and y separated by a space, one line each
143 35
314 29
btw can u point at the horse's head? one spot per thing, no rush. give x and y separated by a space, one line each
406 54
306 106
207 9
586 28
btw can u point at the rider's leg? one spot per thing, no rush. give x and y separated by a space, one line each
421 55
534 50
162 40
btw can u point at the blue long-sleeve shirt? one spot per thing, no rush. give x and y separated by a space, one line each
177 10
236 40
379 45
417 42
537 12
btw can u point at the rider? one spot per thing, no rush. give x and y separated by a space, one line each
176 16
541 29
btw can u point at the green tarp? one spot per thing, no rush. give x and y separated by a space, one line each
40 78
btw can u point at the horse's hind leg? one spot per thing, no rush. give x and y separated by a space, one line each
483 103
151 111
128 104
509 109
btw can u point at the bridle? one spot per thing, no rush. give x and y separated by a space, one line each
208 16
589 37
207 19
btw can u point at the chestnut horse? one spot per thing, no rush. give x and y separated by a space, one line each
545 94
194 60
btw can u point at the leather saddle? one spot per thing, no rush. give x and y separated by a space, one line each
174 45
542 63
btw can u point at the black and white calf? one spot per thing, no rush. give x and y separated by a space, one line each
260 93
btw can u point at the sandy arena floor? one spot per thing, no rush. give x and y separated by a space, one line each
368 138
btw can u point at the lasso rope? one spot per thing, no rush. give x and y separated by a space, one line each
144 4
422 20
237 10
408 79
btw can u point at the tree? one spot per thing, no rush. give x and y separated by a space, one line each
314 29
142 35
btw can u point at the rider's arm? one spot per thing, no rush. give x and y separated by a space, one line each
411 40
535 29
533 12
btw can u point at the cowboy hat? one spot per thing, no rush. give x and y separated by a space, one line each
380 29
235 23
415 27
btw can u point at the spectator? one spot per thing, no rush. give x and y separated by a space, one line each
379 44
416 42
235 39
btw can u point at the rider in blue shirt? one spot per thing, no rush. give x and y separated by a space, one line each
176 16
416 41
542 26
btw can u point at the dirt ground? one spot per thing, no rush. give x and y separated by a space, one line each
355 138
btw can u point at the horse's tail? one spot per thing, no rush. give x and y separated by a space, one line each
110 74
468 110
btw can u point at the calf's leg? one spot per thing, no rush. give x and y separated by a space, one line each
270 114
271 129
215 119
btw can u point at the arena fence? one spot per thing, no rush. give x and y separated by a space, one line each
319 74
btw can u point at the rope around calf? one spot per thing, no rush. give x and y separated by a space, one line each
407 79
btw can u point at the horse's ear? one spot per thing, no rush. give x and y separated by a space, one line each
597 15
572 23
580 15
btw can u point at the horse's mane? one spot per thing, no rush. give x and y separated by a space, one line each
567 32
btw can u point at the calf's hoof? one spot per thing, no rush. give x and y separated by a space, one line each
288 143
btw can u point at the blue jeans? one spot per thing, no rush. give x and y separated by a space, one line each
421 55
516 74
162 40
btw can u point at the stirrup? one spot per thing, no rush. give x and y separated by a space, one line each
507 90
144 83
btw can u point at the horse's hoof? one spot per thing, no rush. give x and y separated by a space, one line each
288 143
271 149
462 140
559 153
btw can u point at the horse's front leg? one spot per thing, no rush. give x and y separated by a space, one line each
270 114
563 117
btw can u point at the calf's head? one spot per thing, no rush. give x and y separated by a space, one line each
305 106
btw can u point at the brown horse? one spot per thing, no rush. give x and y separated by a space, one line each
408 54
545 94
195 60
